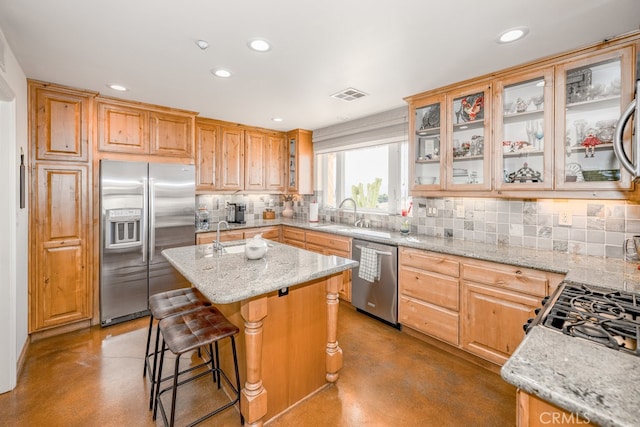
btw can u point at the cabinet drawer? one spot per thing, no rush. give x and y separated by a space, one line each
433 288
296 243
430 261
509 277
329 241
271 233
430 319
293 234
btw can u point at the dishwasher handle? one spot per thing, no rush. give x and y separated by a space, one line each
377 251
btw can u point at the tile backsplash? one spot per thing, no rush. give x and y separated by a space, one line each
598 228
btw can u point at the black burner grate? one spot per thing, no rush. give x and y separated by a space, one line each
610 318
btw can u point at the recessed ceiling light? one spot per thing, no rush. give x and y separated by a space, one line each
277 119
221 72
259 45
202 44
117 87
512 34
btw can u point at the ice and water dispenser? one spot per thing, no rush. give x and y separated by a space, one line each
123 228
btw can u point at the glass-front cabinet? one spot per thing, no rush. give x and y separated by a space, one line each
427 154
590 96
469 113
523 131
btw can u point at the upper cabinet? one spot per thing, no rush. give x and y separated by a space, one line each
135 128
299 161
523 117
451 148
591 92
219 156
60 120
540 130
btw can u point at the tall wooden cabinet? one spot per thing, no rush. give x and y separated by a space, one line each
60 230
299 161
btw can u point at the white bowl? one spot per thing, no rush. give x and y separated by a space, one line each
426 180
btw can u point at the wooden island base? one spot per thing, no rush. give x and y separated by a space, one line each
287 346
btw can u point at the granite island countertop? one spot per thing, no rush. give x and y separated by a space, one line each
229 277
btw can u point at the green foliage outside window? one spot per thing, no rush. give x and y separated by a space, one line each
368 199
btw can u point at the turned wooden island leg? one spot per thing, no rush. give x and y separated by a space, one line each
253 401
334 352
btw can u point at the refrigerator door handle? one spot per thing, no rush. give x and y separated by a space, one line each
144 219
152 218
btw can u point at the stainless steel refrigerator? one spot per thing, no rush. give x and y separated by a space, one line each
145 208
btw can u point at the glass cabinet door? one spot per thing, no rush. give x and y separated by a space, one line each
470 140
523 125
590 95
427 152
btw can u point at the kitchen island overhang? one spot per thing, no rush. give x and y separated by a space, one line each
286 306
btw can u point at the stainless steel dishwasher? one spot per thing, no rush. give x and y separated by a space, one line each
380 297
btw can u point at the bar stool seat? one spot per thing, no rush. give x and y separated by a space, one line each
188 331
162 305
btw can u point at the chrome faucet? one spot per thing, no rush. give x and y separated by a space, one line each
216 245
356 221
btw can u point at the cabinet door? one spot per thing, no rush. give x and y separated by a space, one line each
427 172
492 320
469 140
207 143
590 95
275 164
255 147
300 162
231 154
171 134
122 128
523 106
61 123
60 288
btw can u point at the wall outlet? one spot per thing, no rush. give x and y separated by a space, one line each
565 218
460 211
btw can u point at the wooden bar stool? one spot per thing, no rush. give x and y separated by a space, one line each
189 331
163 305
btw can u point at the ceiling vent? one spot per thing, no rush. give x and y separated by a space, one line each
349 94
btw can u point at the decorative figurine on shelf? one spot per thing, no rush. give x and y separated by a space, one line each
521 105
589 143
471 108
524 174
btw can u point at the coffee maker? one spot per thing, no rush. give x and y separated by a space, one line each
235 213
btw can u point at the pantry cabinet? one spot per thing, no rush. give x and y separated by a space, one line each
60 204
543 129
136 128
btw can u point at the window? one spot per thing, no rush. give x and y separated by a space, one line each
375 176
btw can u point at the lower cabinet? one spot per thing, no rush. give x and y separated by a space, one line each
271 233
474 305
535 412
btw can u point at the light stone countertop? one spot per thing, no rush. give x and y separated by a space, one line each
598 383
230 277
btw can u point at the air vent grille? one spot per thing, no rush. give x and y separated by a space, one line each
349 94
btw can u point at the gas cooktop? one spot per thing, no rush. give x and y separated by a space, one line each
604 316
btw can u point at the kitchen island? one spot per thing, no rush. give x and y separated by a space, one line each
286 306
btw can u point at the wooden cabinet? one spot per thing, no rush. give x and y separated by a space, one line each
429 299
254 163
323 243
271 233
299 162
497 300
219 156
136 128
264 161
535 412
60 224
207 154
548 125
60 287
60 122
275 163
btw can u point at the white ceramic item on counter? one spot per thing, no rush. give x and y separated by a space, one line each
255 248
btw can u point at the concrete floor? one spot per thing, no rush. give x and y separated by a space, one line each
94 378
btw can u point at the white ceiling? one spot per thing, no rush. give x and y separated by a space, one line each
388 49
